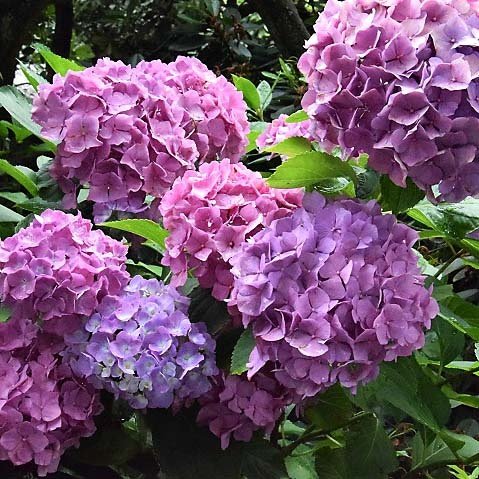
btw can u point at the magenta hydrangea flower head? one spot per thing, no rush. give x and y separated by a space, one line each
44 408
57 270
398 80
127 133
142 347
330 292
237 407
279 130
210 213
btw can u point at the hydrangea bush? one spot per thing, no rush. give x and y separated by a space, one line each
294 308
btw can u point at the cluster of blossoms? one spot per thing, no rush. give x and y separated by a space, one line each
52 274
127 133
210 213
58 269
331 291
279 130
237 407
44 408
399 80
141 347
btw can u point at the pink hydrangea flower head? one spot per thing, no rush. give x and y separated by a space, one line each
278 130
331 291
210 213
44 408
58 269
128 132
237 407
398 80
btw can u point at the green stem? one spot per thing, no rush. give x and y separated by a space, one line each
445 266
320 434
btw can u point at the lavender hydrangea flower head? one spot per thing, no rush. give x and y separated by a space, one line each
398 80
210 213
58 269
142 347
237 407
279 130
127 133
44 408
331 291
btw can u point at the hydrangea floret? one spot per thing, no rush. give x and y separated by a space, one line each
398 80
331 291
127 132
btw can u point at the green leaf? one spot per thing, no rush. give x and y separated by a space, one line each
336 186
111 445
145 228
407 388
19 176
4 314
21 133
58 64
256 128
368 453
250 94
17 197
332 410
453 220
187 451
260 460
435 450
213 7
19 108
451 341
241 352
37 205
291 147
204 308
156 270
33 78
297 117
461 314
301 466
9 216
397 199
471 245
309 169
466 399
265 94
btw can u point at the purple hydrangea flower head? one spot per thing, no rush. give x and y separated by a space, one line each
331 291
237 407
44 408
278 130
58 269
398 80
128 132
141 346
210 213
